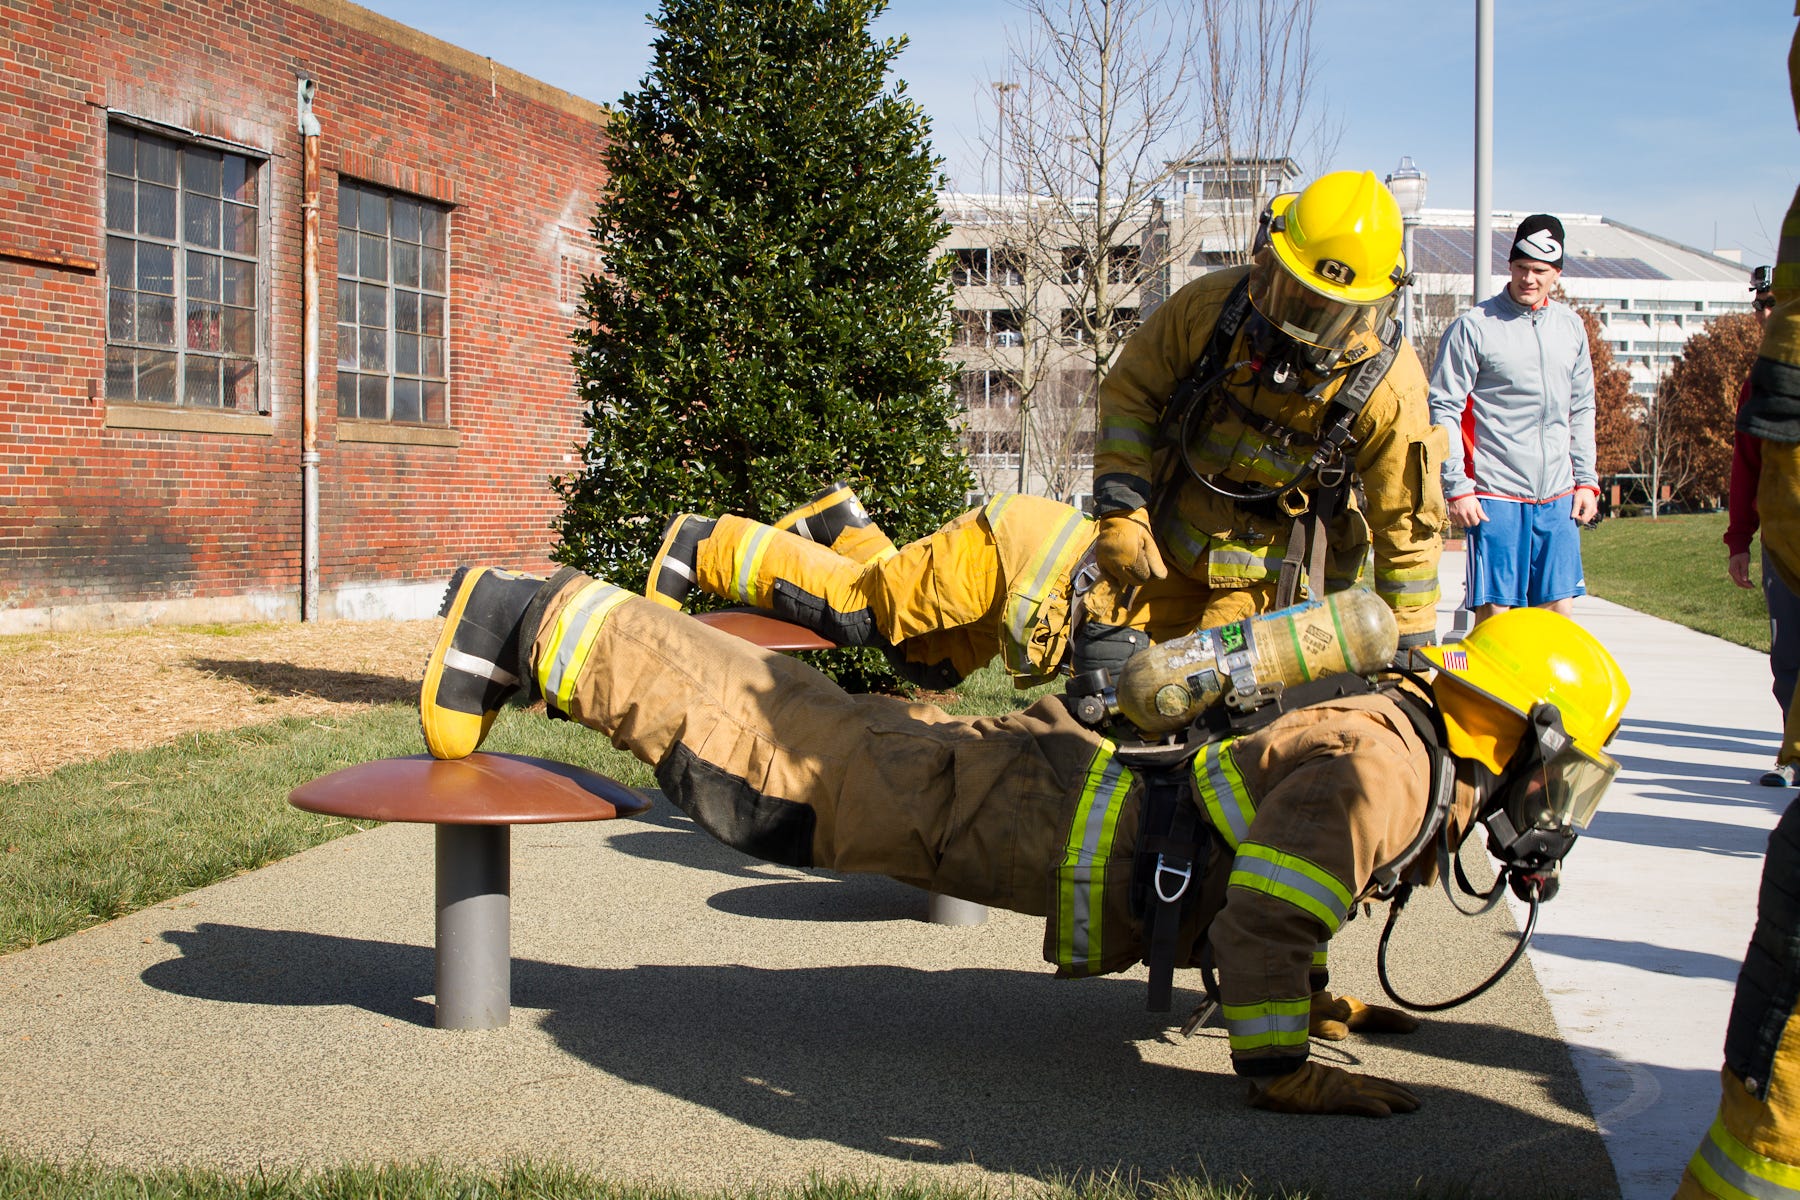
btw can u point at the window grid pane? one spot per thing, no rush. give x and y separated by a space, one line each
393 256
181 274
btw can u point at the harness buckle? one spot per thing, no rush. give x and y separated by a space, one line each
1185 873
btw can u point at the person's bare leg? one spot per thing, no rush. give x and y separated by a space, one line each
1565 606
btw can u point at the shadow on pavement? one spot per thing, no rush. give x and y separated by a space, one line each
1648 956
1008 1070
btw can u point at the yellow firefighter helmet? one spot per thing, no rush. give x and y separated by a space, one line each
1330 261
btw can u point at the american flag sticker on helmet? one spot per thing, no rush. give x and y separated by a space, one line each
1455 660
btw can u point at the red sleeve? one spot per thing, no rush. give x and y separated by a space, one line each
1746 465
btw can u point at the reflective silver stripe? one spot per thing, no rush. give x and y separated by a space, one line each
1183 542
1222 789
1401 587
750 555
1282 1023
1023 605
1239 558
1117 431
1291 878
676 566
1271 1023
1737 1166
1085 859
468 664
573 637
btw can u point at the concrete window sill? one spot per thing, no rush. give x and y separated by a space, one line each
398 435
188 420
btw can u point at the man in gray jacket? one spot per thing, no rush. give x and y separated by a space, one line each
1514 384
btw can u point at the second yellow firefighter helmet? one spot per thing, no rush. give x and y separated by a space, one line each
1329 262
1489 683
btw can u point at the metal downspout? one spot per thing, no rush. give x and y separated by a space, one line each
309 359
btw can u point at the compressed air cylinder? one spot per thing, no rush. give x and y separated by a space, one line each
1165 687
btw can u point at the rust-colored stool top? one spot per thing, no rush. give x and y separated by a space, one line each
482 789
760 629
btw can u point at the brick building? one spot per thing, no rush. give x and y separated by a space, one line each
154 381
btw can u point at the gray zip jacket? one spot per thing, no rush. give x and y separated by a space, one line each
1527 383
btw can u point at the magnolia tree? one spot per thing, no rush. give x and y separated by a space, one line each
771 316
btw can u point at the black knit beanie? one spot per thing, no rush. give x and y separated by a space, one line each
1540 237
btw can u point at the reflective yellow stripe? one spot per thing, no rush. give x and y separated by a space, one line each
1125 436
1228 801
1320 956
572 640
1025 597
749 554
1082 879
1182 543
1407 587
1271 1023
1229 560
1731 1170
1303 883
1249 455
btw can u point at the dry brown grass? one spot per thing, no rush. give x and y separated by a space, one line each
71 696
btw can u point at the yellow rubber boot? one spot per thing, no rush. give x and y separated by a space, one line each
836 519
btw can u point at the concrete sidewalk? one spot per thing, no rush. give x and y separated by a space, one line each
684 1015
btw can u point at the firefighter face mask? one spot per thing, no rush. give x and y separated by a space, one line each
1329 332
1547 795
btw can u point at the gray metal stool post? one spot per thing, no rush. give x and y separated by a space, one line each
772 633
474 802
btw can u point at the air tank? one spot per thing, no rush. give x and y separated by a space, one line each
1165 687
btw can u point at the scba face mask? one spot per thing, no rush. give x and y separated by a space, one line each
1543 802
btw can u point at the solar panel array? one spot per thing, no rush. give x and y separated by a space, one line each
1448 252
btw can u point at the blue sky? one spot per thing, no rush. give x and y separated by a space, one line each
1670 115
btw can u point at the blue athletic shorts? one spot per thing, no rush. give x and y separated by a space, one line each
1524 555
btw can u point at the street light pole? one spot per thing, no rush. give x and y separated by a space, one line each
1407 183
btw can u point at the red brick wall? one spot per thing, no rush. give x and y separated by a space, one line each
95 515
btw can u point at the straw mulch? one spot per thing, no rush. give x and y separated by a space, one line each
71 696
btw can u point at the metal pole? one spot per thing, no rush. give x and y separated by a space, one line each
948 910
474 926
1484 148
1412 271
309 357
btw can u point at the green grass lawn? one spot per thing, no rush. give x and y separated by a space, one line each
1674 568
23 1179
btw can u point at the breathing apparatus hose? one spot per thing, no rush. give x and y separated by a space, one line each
1492 898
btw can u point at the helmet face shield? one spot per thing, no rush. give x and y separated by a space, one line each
1562 793
1328 326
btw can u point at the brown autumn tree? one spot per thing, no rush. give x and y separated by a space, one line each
1618 415
1697 403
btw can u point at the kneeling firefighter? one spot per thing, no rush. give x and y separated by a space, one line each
1256 839
1237 419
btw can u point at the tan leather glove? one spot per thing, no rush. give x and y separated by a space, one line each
1126 550
1334 1018
1317 1088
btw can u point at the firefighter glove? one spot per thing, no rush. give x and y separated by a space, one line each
1317 1088
1126 550
1335 1018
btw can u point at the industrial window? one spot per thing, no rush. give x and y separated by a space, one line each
181 273
393 290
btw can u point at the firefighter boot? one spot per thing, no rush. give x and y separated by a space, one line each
478 661
836 519
672 570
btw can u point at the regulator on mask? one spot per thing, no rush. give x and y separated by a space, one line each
1543 803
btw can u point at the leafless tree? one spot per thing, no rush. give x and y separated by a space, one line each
1107 105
